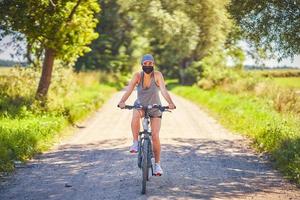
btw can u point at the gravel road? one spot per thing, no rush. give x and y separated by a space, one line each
200 158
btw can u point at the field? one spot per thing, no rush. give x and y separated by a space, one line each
4 70
289 82
284 78
278 72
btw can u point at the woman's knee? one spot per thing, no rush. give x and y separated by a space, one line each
136 116
155 136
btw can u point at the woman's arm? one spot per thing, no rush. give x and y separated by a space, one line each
129 90
164 91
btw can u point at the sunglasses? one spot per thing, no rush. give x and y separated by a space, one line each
148 63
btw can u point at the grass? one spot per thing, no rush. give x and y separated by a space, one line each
277 72
26 128
290 82
4 70
272 132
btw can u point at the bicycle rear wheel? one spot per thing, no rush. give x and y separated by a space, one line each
145 167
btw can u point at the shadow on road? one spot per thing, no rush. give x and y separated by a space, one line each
194 168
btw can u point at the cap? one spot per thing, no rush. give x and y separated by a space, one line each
147 57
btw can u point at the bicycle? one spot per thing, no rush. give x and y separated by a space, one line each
145 153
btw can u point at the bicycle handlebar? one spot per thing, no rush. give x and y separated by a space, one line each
161 108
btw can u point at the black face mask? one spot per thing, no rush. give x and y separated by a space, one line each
148 69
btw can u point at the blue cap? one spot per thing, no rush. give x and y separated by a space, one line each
147 57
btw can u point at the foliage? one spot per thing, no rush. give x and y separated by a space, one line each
191 74
27 128
269 25
53 30
179 32
271 131
215 72
112 51
66 26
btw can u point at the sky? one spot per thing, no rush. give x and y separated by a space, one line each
5 55
270 62
274 63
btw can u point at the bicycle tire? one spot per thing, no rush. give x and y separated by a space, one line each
145 168
139 161
150 166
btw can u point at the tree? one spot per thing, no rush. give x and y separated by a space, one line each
112 51
180 32
271 25
56 29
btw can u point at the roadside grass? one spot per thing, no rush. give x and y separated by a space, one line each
288 82
27 128
272 132
277 72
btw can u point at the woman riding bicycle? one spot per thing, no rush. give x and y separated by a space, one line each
148 83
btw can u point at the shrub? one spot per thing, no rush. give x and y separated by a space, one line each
26 127
286 100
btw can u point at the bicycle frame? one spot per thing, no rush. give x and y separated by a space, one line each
145 135
145 143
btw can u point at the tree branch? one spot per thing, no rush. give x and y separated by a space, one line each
73 11
52 3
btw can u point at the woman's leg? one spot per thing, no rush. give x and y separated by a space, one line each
155 127
135 124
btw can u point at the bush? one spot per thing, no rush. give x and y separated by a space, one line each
26 127
223 77
286 100
191 74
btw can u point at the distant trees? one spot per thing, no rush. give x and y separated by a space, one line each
55 29
112 51
8 63
181 34
177 32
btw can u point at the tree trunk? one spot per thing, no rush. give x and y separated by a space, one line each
45 80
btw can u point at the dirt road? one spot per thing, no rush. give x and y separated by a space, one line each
201 160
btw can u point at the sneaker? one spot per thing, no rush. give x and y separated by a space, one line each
158 170
134 147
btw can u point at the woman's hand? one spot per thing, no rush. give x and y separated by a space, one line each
172 106
121 105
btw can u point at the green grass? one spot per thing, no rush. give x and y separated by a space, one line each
26 129
20 139
87 99
272 132
291 82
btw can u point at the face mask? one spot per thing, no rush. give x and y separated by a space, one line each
148 69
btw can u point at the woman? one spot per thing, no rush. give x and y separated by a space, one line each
148 83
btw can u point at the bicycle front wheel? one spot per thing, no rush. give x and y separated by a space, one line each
145 168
